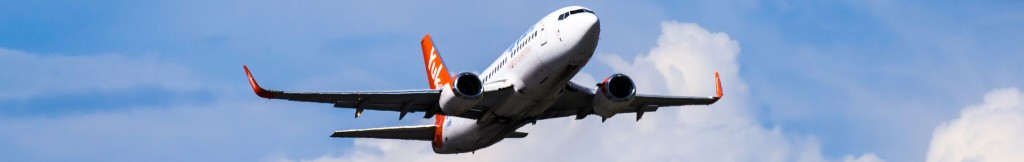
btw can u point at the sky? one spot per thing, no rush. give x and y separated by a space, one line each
842 80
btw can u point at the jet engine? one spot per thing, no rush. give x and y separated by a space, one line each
613 95
464 93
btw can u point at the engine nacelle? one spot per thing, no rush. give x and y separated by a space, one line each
613 95
465 92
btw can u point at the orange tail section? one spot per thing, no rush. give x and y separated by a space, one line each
437 77
437 73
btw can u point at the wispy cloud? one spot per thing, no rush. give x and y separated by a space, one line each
232 125
30 75
230 129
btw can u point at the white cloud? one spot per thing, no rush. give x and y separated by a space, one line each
584 78
863 158
682 63
32 75
991 131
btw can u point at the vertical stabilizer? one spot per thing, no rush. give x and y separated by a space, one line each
437 73
437 77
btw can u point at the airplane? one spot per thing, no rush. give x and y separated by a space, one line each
530 81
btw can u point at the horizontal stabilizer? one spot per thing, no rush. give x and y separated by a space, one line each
422 132
516 135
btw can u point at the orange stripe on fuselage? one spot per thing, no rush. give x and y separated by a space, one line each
439 127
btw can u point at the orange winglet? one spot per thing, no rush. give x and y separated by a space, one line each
718 85
256 87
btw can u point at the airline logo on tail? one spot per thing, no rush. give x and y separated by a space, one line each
437 74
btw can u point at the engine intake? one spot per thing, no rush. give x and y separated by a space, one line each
618 87
613 95
465 92
467 85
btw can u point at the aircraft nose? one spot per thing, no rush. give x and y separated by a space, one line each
589 26
579 29
576 39
579 32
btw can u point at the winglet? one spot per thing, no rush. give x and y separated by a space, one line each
256 87
718 86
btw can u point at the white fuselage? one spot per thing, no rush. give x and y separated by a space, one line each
538 66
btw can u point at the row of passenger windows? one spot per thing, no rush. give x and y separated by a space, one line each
517 47
573 12
493 71
525 41
512 53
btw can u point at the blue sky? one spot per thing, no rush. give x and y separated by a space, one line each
162 80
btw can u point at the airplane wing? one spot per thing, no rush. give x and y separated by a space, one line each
403 101
578 101
422 133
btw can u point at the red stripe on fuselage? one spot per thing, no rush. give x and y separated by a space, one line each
438 128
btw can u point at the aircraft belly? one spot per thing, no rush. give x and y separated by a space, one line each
538 84
476 136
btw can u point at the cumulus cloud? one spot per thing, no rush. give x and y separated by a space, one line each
32 75
990 131
682 63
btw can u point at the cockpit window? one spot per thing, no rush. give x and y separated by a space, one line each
573 12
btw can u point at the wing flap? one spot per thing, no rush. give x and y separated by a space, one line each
659 100
422 133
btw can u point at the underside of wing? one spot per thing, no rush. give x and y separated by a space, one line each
403 101
659 100
423 133
579 101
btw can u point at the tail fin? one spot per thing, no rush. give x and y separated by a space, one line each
437 73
